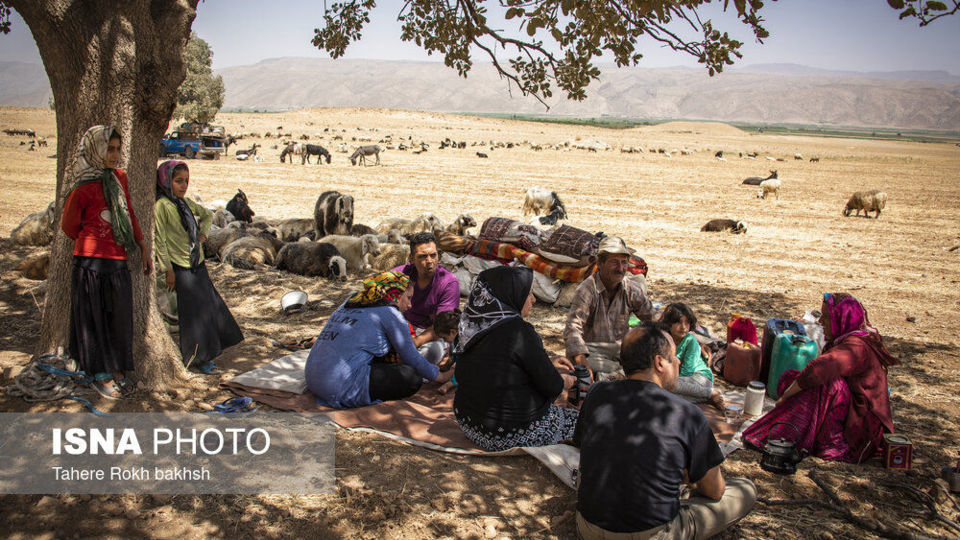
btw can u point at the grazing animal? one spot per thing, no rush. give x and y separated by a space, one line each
719 154
461 224
355 249
866 201
756 180
312 259
423 223
391 256
36 229
717 225
333 214
35 266
288 150
539 200
364 151
249 251
814 160
239 206
314 150
481 155
798 157
294 229
767 187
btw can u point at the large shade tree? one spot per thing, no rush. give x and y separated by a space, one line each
201 93
122 62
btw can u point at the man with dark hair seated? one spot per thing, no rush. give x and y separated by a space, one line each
639 444
435 290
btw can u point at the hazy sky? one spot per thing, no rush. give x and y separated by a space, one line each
859 35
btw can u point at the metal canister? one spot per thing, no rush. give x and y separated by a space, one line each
753 401
581 387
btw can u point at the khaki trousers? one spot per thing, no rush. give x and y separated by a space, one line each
699 517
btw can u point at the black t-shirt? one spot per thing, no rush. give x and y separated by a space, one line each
506 379
635 440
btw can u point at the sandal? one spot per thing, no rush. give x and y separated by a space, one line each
100 384
235 405
208 368
126 386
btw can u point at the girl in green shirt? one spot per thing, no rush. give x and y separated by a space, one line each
696 378
206 325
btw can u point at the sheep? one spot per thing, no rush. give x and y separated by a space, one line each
222 218
218 238
249 251
312 259
391 256
293 229
798 157
393 236
538 199
767 187
717 225
423 223
36 229
461 224
355 249
359 229
35 266
756 180
866 201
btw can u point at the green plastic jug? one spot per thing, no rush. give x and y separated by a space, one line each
789 352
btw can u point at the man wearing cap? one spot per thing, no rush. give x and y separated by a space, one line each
600 312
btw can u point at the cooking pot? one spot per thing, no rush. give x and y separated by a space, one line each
780 455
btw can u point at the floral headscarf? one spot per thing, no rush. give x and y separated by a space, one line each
498 296
89 165
380 289
848 318
187 219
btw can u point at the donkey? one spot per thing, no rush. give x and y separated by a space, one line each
313 150
288 150
363 152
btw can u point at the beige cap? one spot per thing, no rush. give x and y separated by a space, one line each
613 244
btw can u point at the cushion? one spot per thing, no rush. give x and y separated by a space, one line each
570 245
498 229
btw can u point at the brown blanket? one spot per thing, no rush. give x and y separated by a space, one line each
426 416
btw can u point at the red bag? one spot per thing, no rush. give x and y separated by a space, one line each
741 328
742 363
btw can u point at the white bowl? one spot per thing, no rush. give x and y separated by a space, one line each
293 300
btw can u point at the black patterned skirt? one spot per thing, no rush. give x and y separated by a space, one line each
101 315
556 425
206 325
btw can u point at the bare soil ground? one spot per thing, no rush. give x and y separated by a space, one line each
796 248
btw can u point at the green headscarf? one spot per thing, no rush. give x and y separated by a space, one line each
89 166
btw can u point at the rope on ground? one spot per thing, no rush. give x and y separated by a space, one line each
51 377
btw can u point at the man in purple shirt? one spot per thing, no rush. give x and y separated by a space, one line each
435 290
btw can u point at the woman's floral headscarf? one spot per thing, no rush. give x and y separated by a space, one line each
380 289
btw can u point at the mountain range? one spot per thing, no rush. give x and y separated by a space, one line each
768 93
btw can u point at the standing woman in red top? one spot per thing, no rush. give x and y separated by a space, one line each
98 217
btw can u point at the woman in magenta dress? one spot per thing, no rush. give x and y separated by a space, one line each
839 402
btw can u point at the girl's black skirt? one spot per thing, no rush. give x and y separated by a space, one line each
101 315
206 325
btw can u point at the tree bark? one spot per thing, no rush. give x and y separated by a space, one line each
119 63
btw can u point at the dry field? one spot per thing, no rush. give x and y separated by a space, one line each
796 248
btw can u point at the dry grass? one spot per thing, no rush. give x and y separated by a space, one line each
796 249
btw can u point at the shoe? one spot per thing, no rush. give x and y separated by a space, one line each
104 385
208 368
126 386
238 404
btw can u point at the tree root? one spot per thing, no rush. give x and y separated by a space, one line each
837 505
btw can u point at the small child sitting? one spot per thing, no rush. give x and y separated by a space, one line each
696 378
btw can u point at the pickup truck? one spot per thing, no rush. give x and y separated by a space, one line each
191 141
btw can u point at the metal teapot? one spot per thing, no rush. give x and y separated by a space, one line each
780 455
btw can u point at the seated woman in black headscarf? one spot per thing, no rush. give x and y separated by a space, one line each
507 382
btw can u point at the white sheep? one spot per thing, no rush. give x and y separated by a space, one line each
537 200
391 256
36 229
767 187
423 223
355 249
392 236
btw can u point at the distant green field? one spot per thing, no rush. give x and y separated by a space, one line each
609 122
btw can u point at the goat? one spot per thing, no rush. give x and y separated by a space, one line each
538 199
239 207
333 214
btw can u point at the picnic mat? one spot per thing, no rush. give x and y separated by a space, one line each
426 419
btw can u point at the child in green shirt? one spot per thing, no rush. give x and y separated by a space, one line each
696 378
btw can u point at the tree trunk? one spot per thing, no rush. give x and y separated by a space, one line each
119 63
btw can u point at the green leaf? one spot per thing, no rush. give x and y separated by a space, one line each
937 6
895 4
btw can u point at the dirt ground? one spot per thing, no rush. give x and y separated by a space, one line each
796 248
